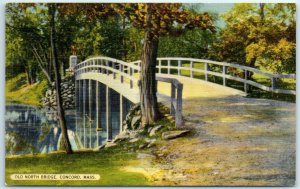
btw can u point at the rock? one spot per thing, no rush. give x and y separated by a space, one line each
133 134
134 140
143 145
135 107
99 148
135 122
122 136
155 129
110 144
174 134
151 144
144 155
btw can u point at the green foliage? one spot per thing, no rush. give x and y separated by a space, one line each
17 91
193 44
259 35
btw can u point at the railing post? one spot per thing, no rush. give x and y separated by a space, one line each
245 82
169 64
159 66
121 70
102 69
273 83
191 69
224 75
179 67
114 73
107 65
108 114
130 73
205 71
178 117
172 108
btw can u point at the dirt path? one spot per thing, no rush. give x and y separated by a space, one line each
235 141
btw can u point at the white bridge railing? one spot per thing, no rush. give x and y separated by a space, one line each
125 72
169 65
128 73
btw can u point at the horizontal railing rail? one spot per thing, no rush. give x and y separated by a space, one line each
105 65
223 72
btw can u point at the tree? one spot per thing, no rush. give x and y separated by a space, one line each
50 11
259 35
158 20
60 110
30 27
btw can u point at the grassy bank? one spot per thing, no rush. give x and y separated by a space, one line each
107 163
17 91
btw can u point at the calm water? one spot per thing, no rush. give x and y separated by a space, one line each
31 130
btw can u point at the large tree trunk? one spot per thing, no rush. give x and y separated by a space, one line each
60 110
148 85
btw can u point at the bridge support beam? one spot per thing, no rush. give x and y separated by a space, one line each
90 121
108 114
121 113
83 111
98 113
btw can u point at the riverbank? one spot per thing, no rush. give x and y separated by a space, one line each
17 91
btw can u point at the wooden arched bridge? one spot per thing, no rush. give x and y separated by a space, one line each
106 87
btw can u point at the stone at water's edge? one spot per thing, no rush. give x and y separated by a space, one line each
174 134
122 136
99 148
67 92
154 130
110 144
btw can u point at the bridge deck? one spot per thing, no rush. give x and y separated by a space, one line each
238 140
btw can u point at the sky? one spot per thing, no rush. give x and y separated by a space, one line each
217 8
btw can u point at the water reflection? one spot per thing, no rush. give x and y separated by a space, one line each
32 130
100 111
97 119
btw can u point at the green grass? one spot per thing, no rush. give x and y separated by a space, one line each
17 91
107 163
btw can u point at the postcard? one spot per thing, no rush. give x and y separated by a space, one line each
150 94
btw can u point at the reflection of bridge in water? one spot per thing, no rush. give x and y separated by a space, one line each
106 88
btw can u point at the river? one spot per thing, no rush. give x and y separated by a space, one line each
29 130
